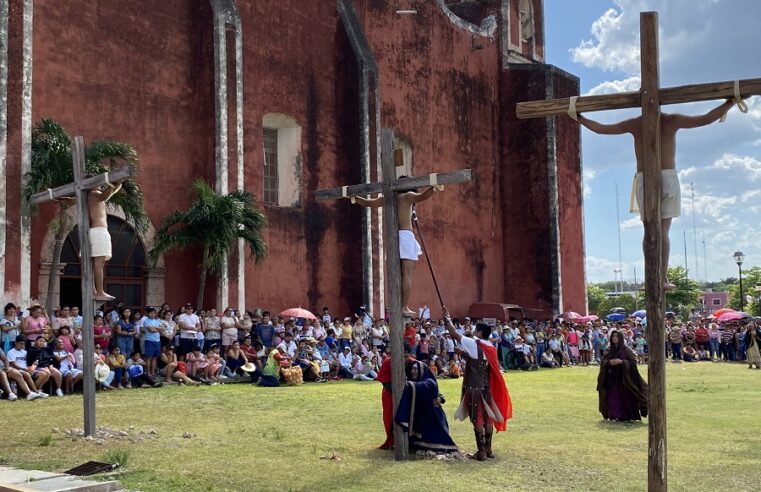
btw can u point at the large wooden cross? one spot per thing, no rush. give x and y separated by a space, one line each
79 188
650 97
389 186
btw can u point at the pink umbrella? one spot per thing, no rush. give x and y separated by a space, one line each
730 316
585 319
571 315
298 313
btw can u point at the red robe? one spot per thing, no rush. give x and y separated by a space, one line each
497 387
387 400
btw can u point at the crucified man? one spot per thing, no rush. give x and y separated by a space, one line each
100 239
670 191
409 248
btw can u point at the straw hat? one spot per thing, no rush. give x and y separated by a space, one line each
101 373
248 367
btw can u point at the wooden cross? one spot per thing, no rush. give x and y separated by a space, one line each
389 186
650 97
79 189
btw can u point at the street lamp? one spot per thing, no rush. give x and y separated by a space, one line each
739 258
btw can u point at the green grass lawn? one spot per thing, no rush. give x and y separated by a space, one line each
251 438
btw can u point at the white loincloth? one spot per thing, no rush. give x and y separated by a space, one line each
409 249
100 242
671 194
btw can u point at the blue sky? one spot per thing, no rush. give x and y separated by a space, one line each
700 41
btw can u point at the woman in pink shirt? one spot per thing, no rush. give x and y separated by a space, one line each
102 334
33 326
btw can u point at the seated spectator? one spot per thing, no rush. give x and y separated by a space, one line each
346 360
137 373
197 365
103 334
548 360
67 366
43 366
361 369
169 367
703 353
117 362
453 370
214 370
236 358
689 354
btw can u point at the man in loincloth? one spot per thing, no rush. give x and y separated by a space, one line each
485 399
671 197
100 239
409 248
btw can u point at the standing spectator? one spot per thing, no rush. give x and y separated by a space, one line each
10 327
556 348
714 336
189 324
125 332
675 338
229 326
34 325
63 319
728 344
266 331
740 343
585 346
753 344
152 341
76 319
345 337
213 330
102 334
168 329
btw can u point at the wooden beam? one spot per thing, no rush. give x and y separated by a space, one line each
622 100
405 184
88 306
394 279
70 189
652 245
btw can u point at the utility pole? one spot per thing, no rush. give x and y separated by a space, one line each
694 232
686 269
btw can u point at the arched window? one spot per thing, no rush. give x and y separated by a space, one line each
527 22
282 160
125 278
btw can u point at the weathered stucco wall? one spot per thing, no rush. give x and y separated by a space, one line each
147 77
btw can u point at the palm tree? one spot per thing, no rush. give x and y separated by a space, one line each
213 223
52 166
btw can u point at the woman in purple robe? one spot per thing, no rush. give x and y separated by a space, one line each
622 391
420 413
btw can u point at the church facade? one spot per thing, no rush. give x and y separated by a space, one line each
284 97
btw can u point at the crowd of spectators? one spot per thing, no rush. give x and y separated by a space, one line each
42 354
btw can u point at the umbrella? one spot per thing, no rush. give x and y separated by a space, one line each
639 314
617 310
298 313
586 319
731 316
721 311
615 317
571 315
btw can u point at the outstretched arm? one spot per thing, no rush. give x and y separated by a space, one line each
625 126
450 326
414 197
684 121
369 202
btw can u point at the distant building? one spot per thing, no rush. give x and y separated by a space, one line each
713 301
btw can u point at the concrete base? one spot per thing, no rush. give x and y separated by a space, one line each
13 480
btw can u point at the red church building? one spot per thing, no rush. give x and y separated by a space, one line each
284 97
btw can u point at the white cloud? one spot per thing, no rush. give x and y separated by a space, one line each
632 83
686 173
613 46
749 167
749 195
587 176
631 224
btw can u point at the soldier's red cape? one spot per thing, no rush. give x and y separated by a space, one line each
498 388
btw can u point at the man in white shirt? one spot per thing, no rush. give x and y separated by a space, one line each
189 325
290 345
17 360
